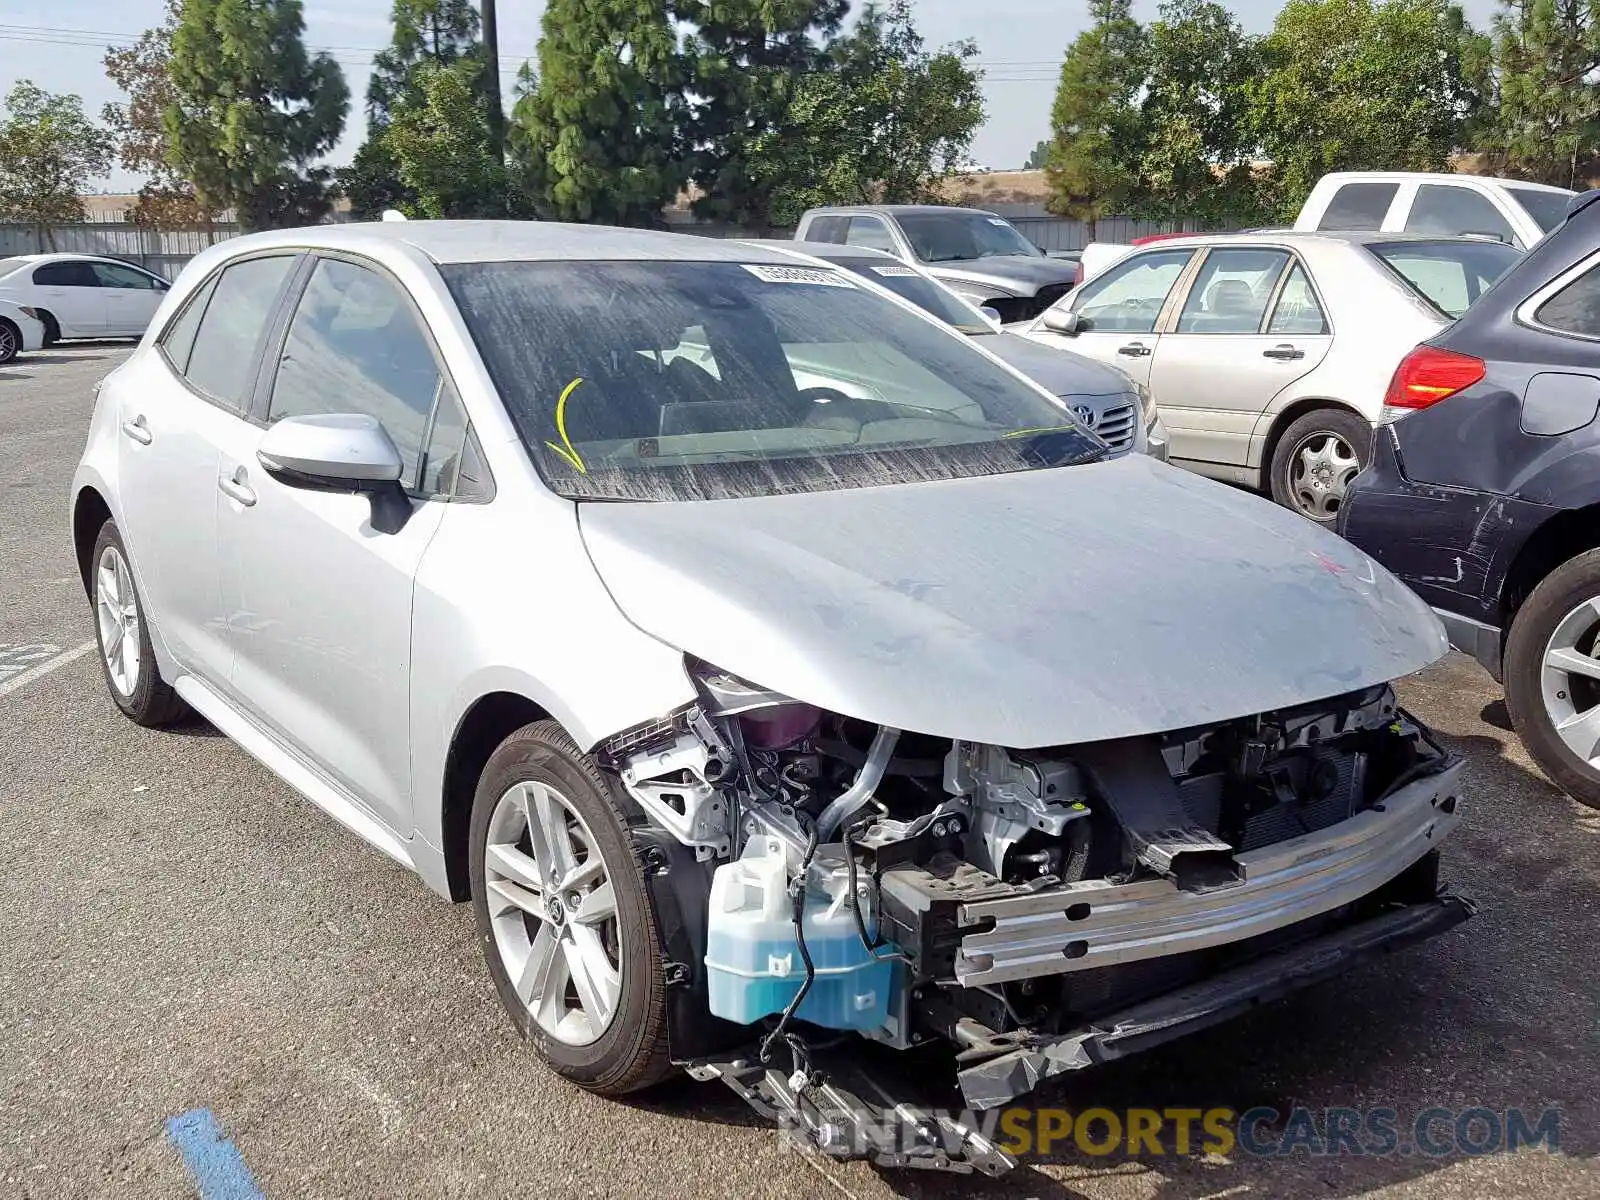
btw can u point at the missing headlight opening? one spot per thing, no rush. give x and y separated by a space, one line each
1039 910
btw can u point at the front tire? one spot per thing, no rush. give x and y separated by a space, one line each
127 658
567 929
1316 460
1552 674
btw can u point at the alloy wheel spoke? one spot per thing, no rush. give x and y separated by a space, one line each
594 978
515 866
504 895
585 874
1581 732
547 831
542 985
599 905
108 586
1572 662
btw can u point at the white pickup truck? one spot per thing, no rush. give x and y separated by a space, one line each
1507 210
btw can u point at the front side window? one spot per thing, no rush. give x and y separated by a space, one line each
1231 293
699 380
1129 296
961 236
355 345
1358 206
66 274
871 233
1449 275
113 275
1445 208
223 361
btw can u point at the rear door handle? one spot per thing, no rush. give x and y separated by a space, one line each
1134 350
1284 353
136 428
236 487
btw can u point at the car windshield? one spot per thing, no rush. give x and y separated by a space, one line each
959 236
910 284
701 380
1449 274
1548 209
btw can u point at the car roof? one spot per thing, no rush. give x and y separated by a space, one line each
1289 237
894 209
509 241
69 256
1452 176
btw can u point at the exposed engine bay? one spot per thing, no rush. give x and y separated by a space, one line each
1031 908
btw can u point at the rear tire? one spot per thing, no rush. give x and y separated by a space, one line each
1316 459
10 341
122 629
591 936
1559 619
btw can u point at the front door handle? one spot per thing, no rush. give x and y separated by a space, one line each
237 487
137 428
1284 353
1134 350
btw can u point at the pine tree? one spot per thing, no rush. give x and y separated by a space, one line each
1547 127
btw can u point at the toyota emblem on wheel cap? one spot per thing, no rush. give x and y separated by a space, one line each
1084 413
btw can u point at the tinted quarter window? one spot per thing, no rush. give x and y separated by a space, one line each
1232 291
223 361
356 346
827 229
1298 311
66 274
1359 206
1448 209
1576 307
1129 296
1449 274
178 340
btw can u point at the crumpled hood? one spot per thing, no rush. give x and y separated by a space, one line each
1033 609
1061 372
1019 274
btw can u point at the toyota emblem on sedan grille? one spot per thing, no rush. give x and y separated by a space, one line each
1084 413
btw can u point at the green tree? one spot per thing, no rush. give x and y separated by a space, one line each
606 119
746 59
1092 170
1197 145
889 120
1039 156
439 136
1546 126
425 33
144 72
253 110
1347 85
49 151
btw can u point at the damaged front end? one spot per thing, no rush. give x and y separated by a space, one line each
1038 910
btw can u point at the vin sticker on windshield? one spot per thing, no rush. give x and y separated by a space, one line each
815 275
893 272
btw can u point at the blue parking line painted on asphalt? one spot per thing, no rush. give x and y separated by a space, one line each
213 1162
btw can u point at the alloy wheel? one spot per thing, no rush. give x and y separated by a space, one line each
1570 681
8 343
1320 470
116 607
553 912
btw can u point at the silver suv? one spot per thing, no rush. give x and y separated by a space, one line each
769 666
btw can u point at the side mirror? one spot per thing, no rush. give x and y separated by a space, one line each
991 315
1063 321
339 452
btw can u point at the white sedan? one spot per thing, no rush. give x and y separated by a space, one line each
81 295
1269 353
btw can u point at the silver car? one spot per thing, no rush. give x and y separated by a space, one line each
755 718
1269 353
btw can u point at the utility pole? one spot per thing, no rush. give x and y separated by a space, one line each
491 78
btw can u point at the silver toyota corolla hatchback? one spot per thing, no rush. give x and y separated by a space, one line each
771 667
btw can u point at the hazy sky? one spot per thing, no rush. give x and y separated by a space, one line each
59 46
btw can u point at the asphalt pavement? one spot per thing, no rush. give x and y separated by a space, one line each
183 937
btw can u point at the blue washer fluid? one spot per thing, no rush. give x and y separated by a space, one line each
753 961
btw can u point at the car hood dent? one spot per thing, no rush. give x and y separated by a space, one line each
1033 609
1017 273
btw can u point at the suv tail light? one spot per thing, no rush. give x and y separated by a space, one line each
1428 375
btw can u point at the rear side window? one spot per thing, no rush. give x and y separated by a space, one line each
1298 312
1358 206
1548 209
113 275
355 345
1575 308
66 274
222 363
1444 208
870 232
